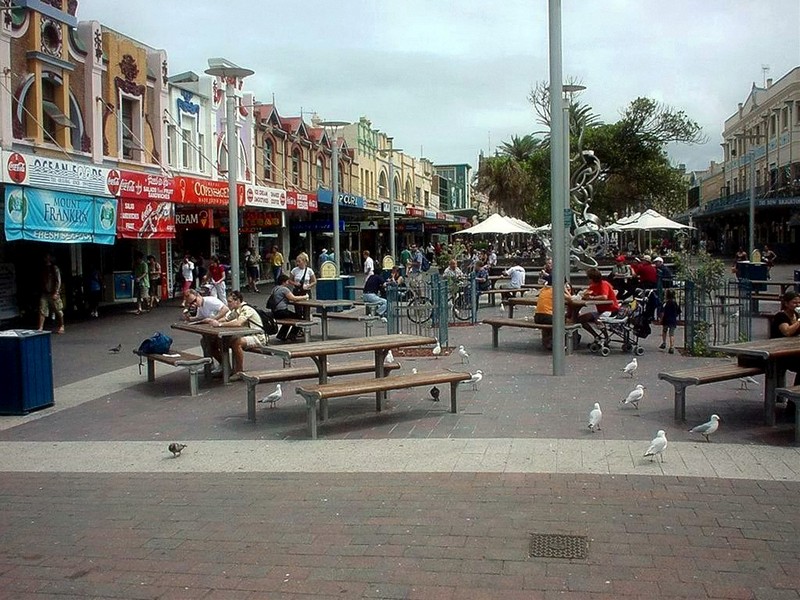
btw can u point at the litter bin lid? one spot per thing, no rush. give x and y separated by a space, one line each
18 333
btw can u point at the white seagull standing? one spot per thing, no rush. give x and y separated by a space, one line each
464 355
595 416
414 371
634 397
657 446
389 358
502 308
272 399
706 429
743 381
631 367
476 378
437 349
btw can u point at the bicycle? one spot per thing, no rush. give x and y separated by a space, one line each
420 308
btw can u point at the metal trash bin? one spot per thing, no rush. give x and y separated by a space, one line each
26 370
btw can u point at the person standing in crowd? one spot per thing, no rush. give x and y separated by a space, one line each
251 262
141 275
323 257
663 273
277 261
405 257
154 269
302 276
768 257
347 261
95 286
369 264
187 273
50 300
281 297
492 262
415 265
216 278
646 273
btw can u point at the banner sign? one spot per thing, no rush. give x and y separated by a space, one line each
324 196
413 211
300 201
141 186
252 219
441 216
51 216
56 174
399 209
430 214
197 218
145 219
209 192
265 197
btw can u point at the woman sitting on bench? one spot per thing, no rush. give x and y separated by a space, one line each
786 324
280 299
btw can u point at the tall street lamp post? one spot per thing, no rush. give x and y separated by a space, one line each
334 126
231 74
751 229
392 197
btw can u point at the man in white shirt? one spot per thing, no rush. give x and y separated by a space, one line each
517 276
209 309
369 264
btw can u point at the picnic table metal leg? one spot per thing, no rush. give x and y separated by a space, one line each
510 310
311 418
251 401
495 336
151 370
324 324
194 377
226 362
380 356
453 396
680 401
774 378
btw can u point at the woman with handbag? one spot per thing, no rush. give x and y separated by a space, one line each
302 276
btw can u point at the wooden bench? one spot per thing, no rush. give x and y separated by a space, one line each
498 322
793 394
355 315
192 362
323 392
680 380
304 325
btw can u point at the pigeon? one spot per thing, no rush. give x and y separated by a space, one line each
437 349
176 448
115 350
464 355
389 358
634 397
743 381
272 399
631 367
435 393
657 446
476 379
414 371
706 429
595 416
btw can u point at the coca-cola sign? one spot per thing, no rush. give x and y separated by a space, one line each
145 186
16 167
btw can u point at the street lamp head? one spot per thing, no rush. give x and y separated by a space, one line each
333 124
221 67
571 88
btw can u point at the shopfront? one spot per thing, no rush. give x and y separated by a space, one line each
301 208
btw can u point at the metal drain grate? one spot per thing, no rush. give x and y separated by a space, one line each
547 545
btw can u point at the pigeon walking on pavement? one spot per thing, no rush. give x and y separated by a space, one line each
706 429
464 355
176 448
435 394
657 446
595 416
631 367
116 349
634 397
272 399
744 381
475 379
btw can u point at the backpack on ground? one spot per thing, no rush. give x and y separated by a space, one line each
270 326
425 265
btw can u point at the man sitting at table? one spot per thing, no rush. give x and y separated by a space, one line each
283 295
517 276
373 287
208 309
241 314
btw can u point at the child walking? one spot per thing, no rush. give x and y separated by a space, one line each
669 320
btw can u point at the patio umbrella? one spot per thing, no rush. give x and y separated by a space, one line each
650 220
495 224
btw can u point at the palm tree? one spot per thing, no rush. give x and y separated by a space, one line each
520 148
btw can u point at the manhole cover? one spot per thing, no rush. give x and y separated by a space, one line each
549 545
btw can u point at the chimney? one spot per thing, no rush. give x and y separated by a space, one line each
740 108
769 82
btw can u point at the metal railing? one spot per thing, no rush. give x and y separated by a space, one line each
716 316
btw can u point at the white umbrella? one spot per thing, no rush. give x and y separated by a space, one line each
522 223
617 226
495 224
650 220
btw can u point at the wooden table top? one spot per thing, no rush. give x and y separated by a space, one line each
208 329
348 346
766 349
323 303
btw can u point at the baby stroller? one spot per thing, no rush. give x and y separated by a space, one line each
628 326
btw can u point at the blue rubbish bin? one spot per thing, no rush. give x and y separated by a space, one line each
26 370
348 287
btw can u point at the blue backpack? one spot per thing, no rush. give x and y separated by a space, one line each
425 265
158 343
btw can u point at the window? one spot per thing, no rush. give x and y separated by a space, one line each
320 172
383 186
340 177
296 167
171 146
187 152
48 100
201 152
427 198
417 195
128 123
268 159
396 188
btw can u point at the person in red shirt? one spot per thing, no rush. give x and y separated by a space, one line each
646 272
601 294
216 278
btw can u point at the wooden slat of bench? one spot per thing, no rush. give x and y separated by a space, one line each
323 392
792 393
680 380
498 322
192 362
296 373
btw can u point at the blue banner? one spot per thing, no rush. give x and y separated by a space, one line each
52 216
324 197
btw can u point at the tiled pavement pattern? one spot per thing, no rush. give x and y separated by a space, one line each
410 503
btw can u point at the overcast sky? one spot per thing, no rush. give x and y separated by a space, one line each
450 79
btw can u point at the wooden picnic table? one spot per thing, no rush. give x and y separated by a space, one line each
324 307
773 355
225 334
524 301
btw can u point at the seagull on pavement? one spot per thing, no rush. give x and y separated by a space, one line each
476 379
657 446
634 397
706 429
743 381
502 308
176 448
389 358
414 371
115 350
437 349
631 367
272 399
464 355
595 416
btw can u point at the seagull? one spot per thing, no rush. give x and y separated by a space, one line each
389 358
435 393
414 371
743 381
657 446
476 379
464 355
706 429
634 397
115 350
595 416
437 349
176 448
272 399
502 308
631 367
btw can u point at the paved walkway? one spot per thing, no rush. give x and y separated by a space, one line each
411 503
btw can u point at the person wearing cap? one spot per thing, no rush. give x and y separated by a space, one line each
663 273
646 273
621 277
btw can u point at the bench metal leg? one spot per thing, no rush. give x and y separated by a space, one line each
151 370
680 401
311 418
368 328
774 378
251 402
454 396
495 336
194 379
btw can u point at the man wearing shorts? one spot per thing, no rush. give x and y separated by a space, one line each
50 300
242 315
